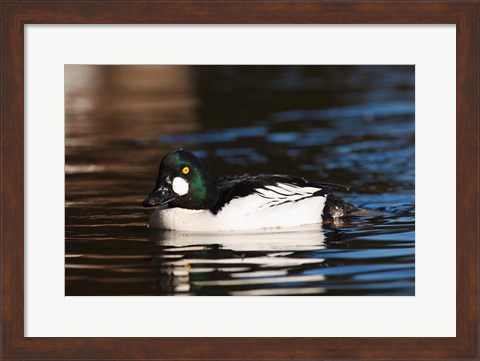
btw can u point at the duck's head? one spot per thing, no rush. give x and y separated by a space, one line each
182 181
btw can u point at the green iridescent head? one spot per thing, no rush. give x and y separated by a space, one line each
182 181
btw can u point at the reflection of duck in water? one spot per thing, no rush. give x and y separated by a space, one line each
293 239
199 203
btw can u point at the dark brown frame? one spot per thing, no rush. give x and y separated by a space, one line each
463 13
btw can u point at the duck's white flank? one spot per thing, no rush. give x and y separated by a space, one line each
277 206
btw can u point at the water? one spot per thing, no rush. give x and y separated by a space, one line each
346 125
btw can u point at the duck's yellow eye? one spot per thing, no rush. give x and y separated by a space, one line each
185 170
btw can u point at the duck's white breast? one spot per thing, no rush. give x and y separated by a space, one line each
251 212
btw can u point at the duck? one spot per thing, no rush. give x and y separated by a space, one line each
189 199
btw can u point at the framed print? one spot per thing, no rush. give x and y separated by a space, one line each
377 94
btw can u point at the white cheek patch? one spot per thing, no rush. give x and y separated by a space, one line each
180 186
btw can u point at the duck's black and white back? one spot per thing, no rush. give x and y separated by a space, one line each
238 203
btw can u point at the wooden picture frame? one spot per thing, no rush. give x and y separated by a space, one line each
16 14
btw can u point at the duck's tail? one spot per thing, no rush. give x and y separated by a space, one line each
336 208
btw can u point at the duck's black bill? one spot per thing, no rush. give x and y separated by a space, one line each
159 196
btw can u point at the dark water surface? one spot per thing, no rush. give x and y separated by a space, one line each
346 125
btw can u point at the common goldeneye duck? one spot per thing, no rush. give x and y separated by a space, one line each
199 203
